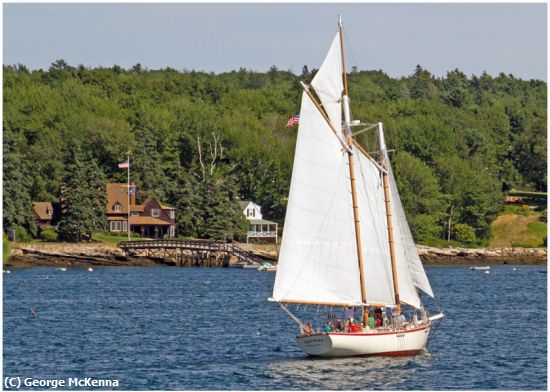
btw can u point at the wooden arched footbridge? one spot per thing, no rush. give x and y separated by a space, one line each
190 253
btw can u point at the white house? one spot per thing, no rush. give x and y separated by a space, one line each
260 230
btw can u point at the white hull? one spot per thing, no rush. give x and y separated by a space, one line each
390 342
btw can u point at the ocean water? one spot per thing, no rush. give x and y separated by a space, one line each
183 328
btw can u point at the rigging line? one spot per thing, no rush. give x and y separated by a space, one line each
350 47
368 128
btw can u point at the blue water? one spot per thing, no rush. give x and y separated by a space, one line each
183 328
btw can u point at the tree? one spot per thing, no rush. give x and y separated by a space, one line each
421 196
78 217
16 205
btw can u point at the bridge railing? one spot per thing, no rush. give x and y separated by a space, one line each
206 245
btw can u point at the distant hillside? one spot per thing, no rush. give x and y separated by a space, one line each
202 141
519 228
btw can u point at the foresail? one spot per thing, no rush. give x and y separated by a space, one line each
404 244
328 83
374 232
318 259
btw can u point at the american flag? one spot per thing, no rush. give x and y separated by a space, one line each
124 165
294 120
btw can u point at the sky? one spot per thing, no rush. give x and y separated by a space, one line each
509 38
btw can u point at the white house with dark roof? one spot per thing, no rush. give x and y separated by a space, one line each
260 230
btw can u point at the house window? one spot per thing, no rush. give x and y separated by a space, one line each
155 212
116 225
135 213
124 225
118 207
50 212
172 214
172 231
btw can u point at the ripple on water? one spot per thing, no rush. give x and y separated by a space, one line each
169 329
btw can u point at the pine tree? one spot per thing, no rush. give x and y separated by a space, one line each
77 198
97 196
16 205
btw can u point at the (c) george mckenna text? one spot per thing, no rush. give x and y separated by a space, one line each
70 382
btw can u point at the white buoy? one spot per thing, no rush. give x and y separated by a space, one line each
514 269
487 272
91 269
62 269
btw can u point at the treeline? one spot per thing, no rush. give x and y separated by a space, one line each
200 141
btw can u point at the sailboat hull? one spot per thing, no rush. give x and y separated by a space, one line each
386 343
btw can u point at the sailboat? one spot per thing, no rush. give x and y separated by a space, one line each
346 242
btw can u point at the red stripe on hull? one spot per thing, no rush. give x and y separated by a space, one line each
397 353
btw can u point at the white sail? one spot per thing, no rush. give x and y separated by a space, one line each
328 83
318 259
405 246
374 231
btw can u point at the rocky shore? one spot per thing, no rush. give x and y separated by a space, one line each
75 255
481 256
108 255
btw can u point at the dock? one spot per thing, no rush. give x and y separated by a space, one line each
191 253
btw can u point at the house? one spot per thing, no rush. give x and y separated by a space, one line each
150 219
42 213
260 230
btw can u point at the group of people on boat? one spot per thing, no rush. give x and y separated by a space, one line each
371 320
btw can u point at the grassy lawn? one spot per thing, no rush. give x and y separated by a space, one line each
440 243
524 230
102 237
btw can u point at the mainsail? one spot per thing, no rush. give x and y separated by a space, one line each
318 261
374 232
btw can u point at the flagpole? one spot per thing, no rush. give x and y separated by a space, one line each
128 195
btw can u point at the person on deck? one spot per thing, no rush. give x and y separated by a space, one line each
348 313
371 322
346 325
403 320
307 329
378 322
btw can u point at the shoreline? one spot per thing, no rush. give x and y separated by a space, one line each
109 255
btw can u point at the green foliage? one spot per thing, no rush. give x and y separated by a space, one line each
464 233
201 141
21 234
6 249
16 199
48 235
82 197
421 196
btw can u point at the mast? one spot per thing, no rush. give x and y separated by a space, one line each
388 214
347 126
